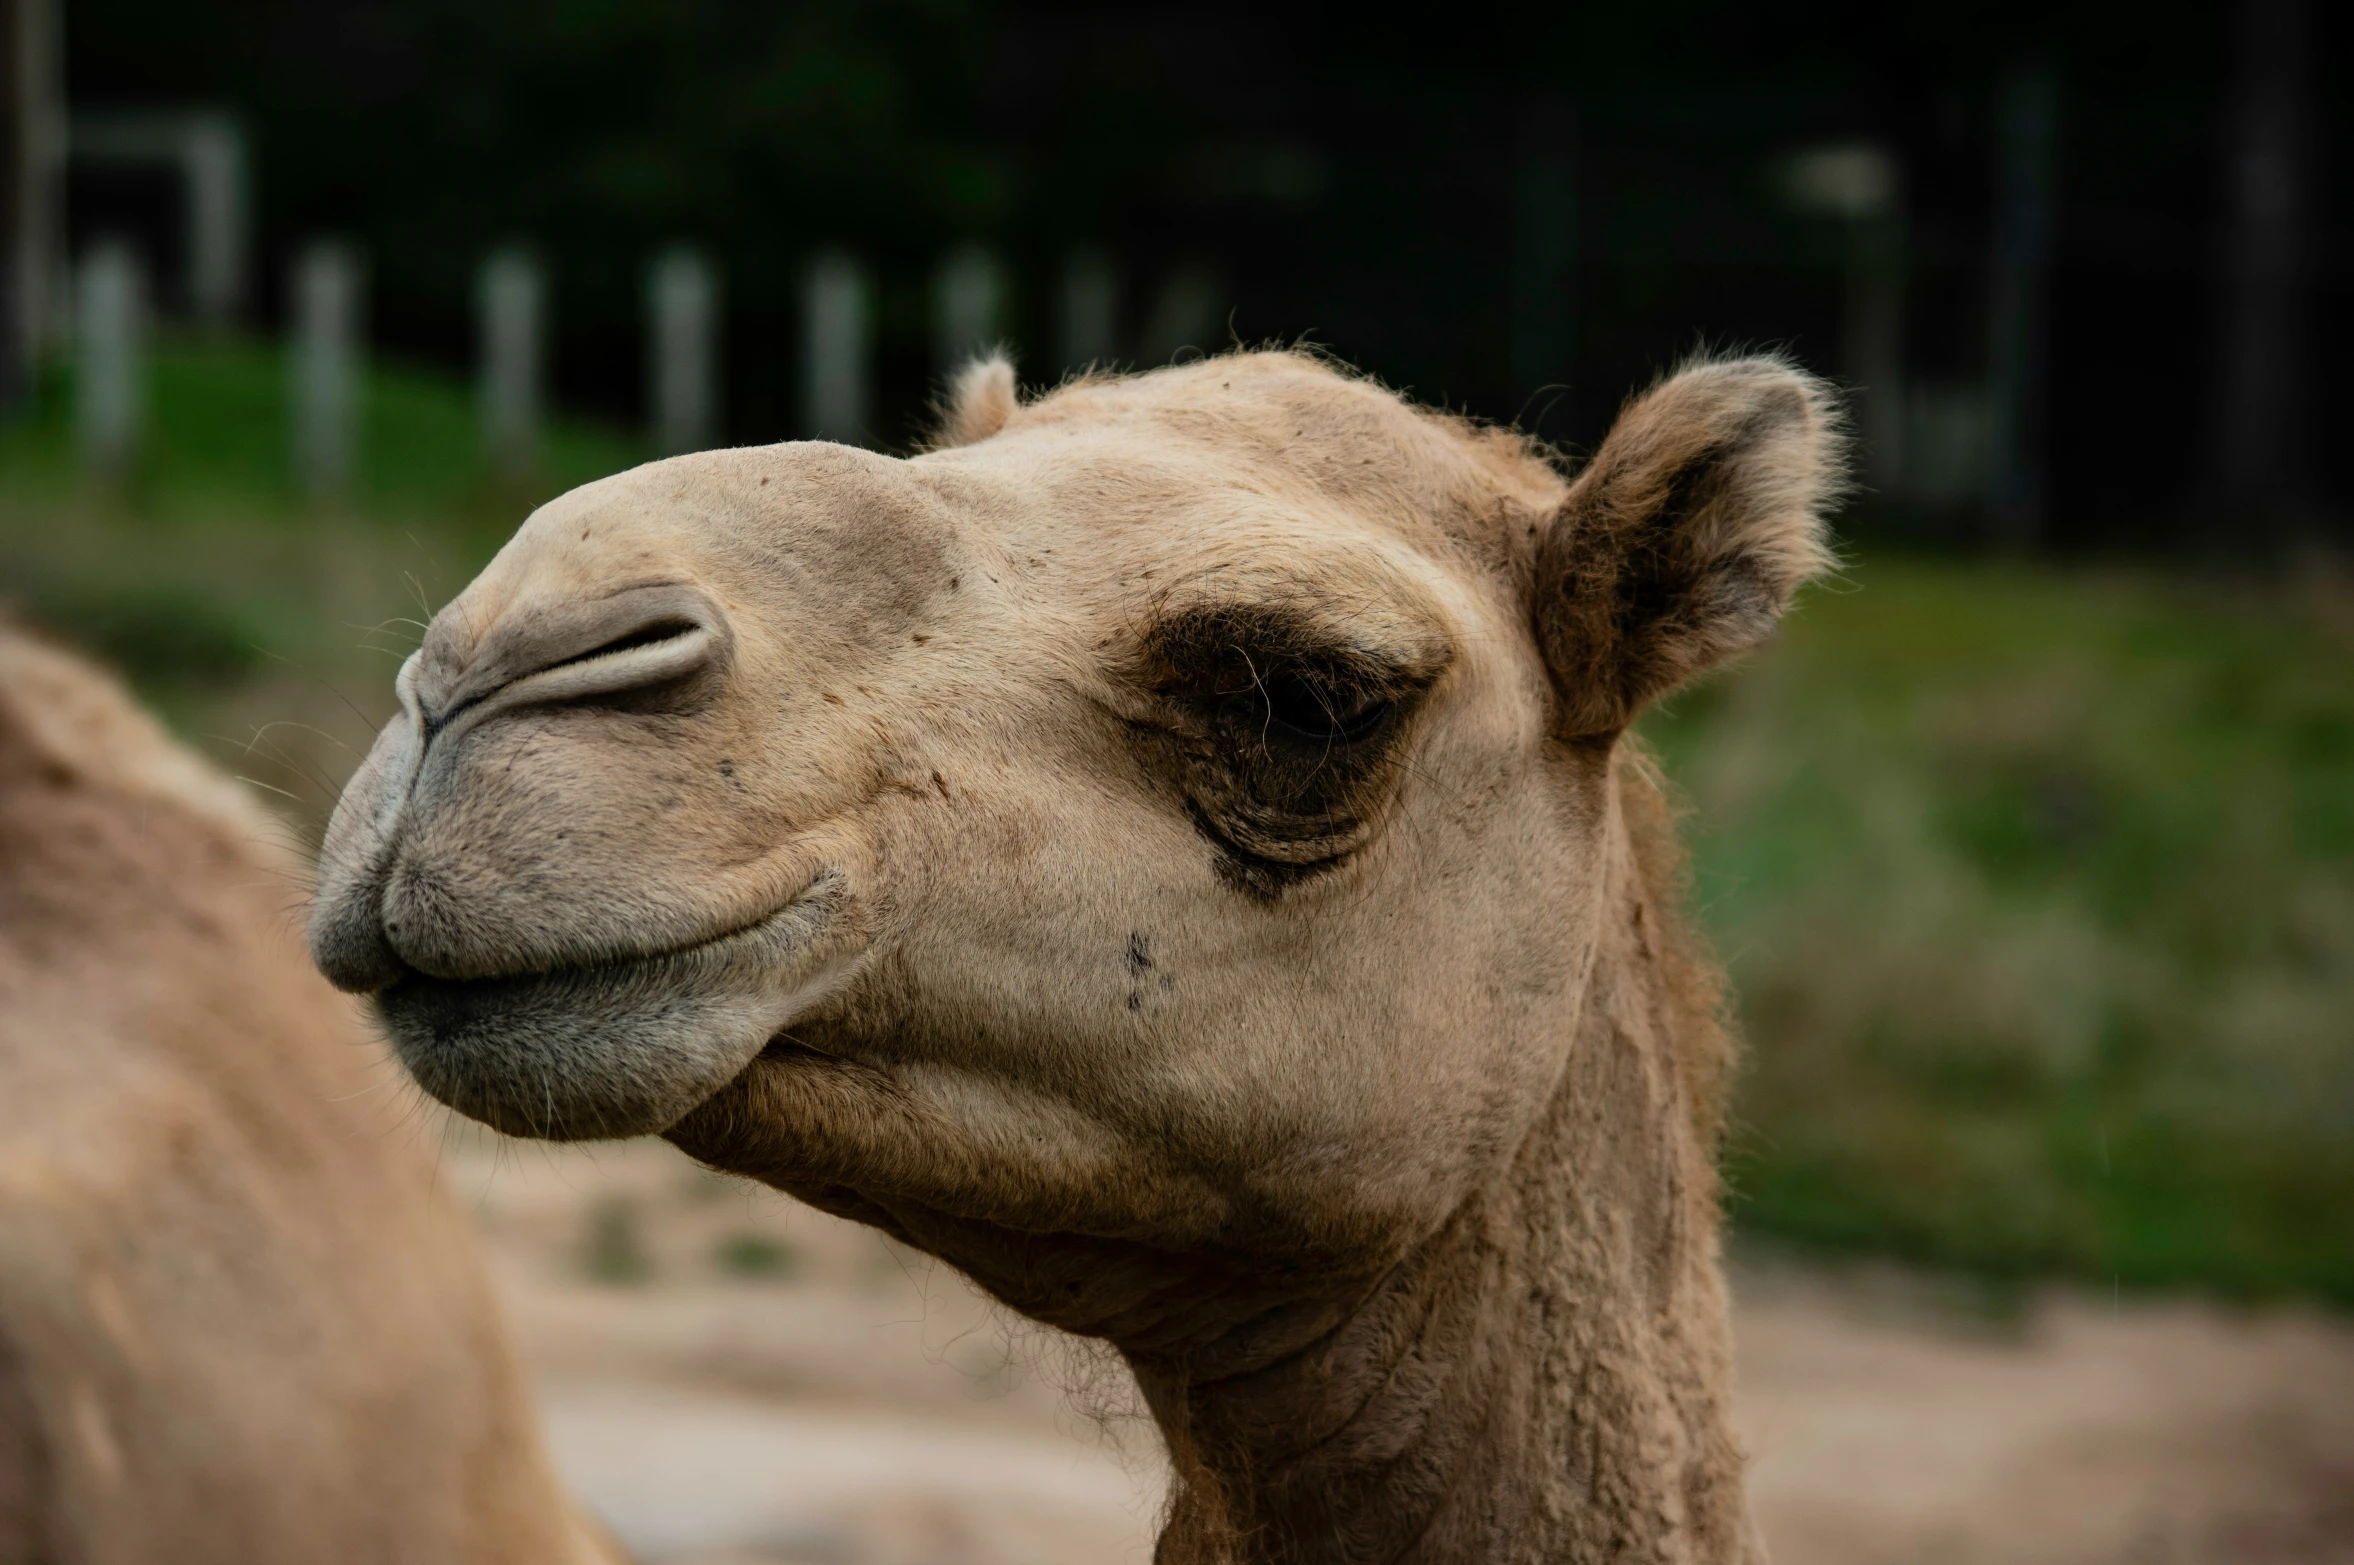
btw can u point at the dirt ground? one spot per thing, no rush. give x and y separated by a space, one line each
731 1378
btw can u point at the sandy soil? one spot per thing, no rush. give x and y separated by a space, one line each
731 1378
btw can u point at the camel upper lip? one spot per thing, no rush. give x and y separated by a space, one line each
811 909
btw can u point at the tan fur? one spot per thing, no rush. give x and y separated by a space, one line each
238 1320
1172 857
981 401
1694 522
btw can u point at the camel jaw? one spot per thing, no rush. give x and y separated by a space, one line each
621 1048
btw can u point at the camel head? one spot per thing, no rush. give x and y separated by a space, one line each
1149 850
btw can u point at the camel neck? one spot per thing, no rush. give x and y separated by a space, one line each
1544 1378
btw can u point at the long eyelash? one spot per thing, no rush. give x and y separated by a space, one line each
1260 686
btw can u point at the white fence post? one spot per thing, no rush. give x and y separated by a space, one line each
835 311
510 300
110 381
1862 186
682 307
326 365
968 304
214 156
1087 317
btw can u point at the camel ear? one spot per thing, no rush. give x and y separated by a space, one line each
1683 540
980 400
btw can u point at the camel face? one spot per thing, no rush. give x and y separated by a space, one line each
1177 817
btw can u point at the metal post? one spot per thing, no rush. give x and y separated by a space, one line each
110 375
328 284
835 329
2027 135
968 297
1087 321
510 302
682 306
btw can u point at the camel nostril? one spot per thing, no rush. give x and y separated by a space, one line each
650 636
627 641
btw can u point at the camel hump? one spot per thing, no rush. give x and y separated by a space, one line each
61 715
144 897
239 1319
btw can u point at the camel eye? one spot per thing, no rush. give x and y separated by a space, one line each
1302 707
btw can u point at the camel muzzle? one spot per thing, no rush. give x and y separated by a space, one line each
620 1048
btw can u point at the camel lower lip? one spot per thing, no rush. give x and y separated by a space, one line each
619 1048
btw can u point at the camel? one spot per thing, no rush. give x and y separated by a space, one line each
1172 851
239 1321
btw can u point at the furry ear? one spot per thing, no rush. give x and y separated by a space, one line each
979 402
1684 539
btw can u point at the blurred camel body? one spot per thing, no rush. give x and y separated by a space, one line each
1169 852
239 1322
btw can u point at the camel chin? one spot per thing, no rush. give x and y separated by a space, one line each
619 1048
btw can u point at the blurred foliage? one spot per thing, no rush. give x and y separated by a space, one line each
2037 888
423 123
162 632
405 118
615 1251
2037 885
757 1255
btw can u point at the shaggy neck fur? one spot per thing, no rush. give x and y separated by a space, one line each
1546 1377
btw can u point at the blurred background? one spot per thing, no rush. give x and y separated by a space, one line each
2030 845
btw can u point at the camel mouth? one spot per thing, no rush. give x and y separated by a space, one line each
618 1048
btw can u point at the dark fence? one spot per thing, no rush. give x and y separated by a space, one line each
2082 268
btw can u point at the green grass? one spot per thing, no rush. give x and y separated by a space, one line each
219 434
756 1255
2037 885
263 622
2037 888
193 567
